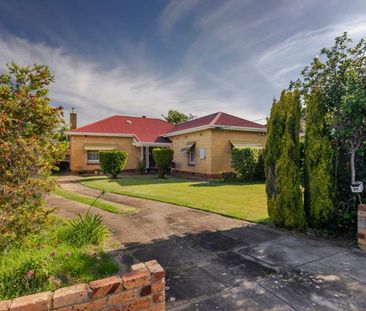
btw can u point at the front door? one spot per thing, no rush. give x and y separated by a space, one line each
148 158
151 158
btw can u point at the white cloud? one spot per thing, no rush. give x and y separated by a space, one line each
97 93
173 13
283 62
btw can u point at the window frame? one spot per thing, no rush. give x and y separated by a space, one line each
192 156
92 161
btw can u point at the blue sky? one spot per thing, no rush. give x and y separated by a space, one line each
145 57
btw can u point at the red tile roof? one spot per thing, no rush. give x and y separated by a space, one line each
144 129
153 130
218 119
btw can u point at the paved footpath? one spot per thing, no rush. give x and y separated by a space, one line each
217 263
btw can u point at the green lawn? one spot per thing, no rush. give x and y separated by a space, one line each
100 203
240 200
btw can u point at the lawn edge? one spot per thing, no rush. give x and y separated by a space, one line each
192 207
91 197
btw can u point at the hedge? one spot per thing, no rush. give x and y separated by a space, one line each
112 162
163 158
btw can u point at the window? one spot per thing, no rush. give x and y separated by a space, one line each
191 156
93 156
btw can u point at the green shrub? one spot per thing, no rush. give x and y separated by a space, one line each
245 162
228 176
319 188
282 162
163 158
85 230
259 172
112 162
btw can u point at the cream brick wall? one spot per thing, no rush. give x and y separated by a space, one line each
78 156
203 140
216 142
221 159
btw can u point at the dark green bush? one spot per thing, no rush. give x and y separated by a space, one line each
318 169
112 162
259 173
282 161
163 158
245 161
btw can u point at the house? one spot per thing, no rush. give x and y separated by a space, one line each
202 147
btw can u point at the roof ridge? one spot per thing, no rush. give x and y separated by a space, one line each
214 120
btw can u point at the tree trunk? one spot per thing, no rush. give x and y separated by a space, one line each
353 170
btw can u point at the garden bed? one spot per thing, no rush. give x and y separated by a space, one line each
59 255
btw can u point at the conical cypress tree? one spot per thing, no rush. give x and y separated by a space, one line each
319 187
282 155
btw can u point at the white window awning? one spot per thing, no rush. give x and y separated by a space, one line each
188 146
243 144
99 147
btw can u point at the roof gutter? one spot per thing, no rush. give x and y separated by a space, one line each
98 134
223 127
152 144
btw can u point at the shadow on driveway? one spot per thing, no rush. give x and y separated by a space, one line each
251 268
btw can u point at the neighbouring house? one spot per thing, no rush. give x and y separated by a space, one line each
202 147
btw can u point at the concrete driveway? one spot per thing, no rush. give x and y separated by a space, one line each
217 263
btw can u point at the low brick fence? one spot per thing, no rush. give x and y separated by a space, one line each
142 289
361 226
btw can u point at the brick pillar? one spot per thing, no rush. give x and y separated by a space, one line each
361 226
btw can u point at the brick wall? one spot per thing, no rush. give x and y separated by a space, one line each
142 289
361 226
78 156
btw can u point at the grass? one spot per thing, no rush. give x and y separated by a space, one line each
239 200
48 260
100 203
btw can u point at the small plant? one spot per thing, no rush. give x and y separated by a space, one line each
228 176
113 162
86 229
141 167
163 158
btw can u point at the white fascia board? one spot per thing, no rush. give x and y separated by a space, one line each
190 130
244 129
99 134
223 127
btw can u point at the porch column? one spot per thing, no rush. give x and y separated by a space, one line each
147 155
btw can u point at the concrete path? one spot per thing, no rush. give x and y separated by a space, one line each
217 263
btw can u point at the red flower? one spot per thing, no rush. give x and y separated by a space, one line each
53 254
29 274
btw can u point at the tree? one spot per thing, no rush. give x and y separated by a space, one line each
282 162
339 72
318 166
162 158
112 161
176 117
30 146
339 75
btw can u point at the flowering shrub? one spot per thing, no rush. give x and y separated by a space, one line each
30 146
